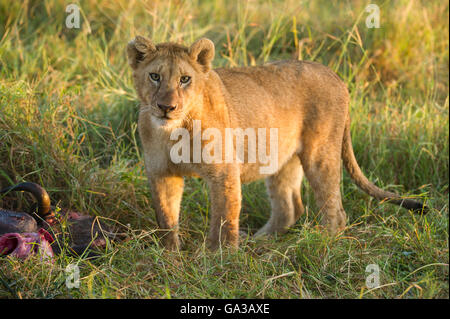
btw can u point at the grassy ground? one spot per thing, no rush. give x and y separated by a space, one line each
68 121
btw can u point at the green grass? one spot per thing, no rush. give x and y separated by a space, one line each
68 115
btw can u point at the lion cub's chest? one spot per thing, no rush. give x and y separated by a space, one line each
157 146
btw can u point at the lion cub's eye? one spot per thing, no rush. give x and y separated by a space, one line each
185 79
155 77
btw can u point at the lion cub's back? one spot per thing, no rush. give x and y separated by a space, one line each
259 90
275 88
283 81
274 78
282 86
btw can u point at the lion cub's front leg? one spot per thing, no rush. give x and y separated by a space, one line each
225 194
167 192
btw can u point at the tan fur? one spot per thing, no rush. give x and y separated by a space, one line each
305 101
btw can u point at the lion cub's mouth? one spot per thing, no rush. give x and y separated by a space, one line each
163 120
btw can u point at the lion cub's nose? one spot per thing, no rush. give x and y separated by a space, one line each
167 108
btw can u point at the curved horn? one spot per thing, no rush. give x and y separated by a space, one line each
39 193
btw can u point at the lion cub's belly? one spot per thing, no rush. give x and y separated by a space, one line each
282 141
287 148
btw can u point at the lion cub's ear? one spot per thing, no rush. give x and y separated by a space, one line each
202 51
138 49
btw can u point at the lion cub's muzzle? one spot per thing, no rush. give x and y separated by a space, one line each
168 102
166 108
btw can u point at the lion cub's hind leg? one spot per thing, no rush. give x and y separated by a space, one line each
322 168
284 193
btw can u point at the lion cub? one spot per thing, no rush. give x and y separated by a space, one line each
277 121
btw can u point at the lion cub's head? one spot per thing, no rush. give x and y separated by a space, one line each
169 77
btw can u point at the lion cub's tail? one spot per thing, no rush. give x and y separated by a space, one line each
362 182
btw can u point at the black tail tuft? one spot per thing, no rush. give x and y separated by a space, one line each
415 206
